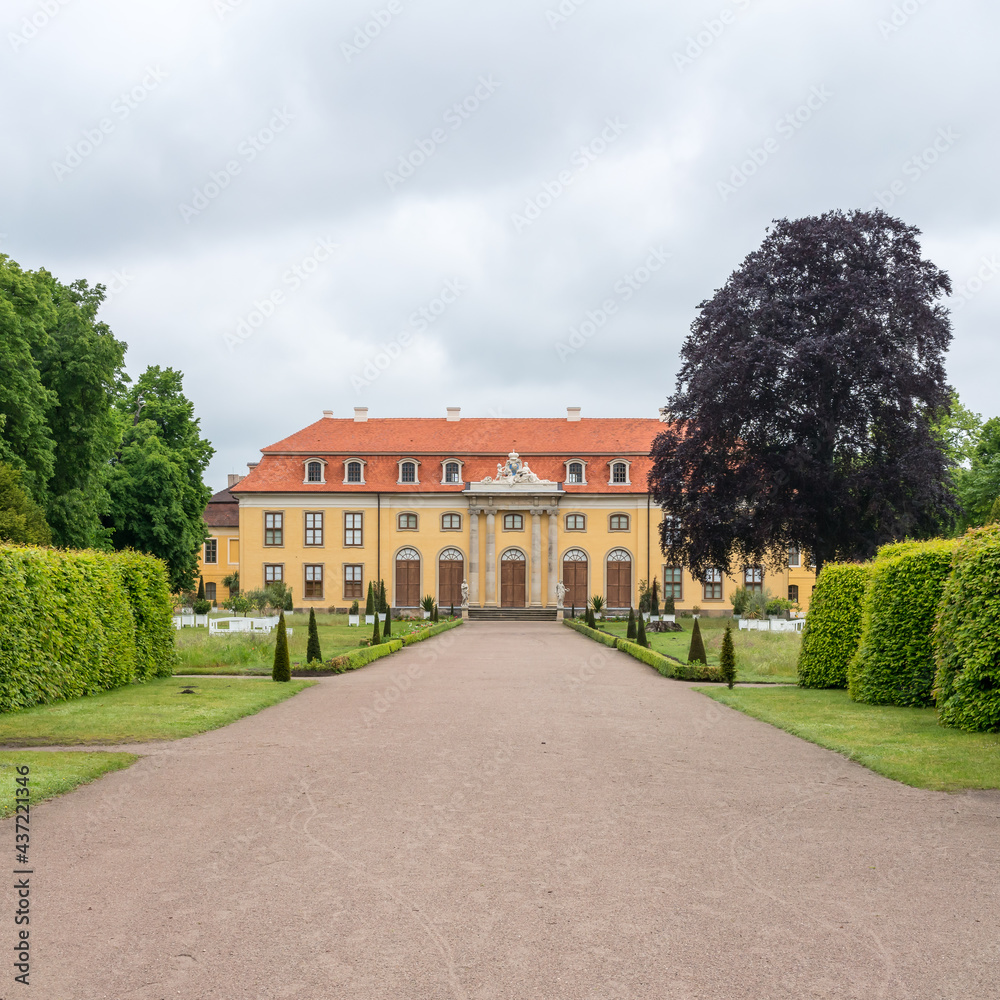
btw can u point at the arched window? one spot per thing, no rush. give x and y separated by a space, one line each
451 522
408 472
354 472
575 472
619 472
513 522
451 572
407 522
512 579
452 472
619 522
576 522
314 472
619 579
574 578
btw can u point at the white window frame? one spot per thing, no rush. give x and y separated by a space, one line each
451 513
444 471
407 513
416 472
322 472
611 472
347 462
798 557
576 461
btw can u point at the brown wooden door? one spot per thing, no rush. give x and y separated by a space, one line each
512 580
407 583
451 573
575 582
619 582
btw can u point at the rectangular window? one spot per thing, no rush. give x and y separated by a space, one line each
314 529
352 582
274 533
209 591
353 529
211 551
575 522
794 556
619 473
314 583
451 522
273 573
673 582
753 579
712 587
793 593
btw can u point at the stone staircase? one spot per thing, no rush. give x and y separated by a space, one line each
512 614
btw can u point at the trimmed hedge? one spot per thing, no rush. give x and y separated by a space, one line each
76 623
410 638
967 636
665 665
833 625
894 663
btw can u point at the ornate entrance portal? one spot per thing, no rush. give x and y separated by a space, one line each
512 579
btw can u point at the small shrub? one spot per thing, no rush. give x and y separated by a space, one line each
370 603
640 633
727 658
387 631
696 653
738 599
354 608
202 607
376 632
312 645
630 631
282 669
668 605
597 604
833 625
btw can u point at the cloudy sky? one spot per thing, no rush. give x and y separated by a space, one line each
413 204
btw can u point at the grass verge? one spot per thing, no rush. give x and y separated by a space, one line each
156 710
53 773
905 744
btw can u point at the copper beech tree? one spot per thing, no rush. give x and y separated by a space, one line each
804 408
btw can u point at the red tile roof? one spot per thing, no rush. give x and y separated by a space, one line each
480 443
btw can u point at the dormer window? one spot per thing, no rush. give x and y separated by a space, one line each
354 472
452 472
408 471
619 473
314 471
574 472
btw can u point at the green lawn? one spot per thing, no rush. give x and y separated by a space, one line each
198 652
905 744
761 657
55 772
156 710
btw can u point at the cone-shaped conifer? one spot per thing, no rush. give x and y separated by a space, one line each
727 658
282 670
376 633
630 631
312 646
370 603
640 632
696 654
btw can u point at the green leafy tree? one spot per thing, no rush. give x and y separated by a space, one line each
979 485
630 630
696 652
239 604
282 669
313 653
21 519
727 658
640 632
157 496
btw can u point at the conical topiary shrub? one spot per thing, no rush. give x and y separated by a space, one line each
387 631
727 658
696 654
201 588
383 603
370 603
376 633
654 599
282 669
630 631
640 632
312 646
434 614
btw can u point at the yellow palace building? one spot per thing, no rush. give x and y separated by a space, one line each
515 513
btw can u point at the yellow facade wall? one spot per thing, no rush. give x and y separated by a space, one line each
225 564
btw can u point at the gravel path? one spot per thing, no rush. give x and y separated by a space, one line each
508 811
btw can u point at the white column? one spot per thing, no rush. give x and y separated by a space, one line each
536 559
553 558
473 557
491 560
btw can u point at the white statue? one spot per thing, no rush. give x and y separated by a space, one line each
560 594
515 473
465 594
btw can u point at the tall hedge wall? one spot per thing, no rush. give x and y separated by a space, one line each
833 625
76 623
967 636
894 664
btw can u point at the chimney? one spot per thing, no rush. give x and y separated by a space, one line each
454 412
252 465
572 413
234 478
360 414
327 414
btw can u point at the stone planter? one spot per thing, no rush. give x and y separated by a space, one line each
354 619
369 619
668 618
381 616
426 614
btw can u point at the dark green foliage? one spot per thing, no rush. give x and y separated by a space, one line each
76 623
640 633
383 603
696 653
630 631
376 632
894 663
313 652
201 607
727 658
654 598
434 614
21 519
370 602
282 669
288 605
232 583
833 625
157 496
589 617
451 614
201 588
354 608
967 636
668 605
387 631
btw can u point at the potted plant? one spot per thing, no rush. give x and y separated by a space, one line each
383 604
669 611
654 602
370 605
696 611
428 605
738 598
597 604
354 615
